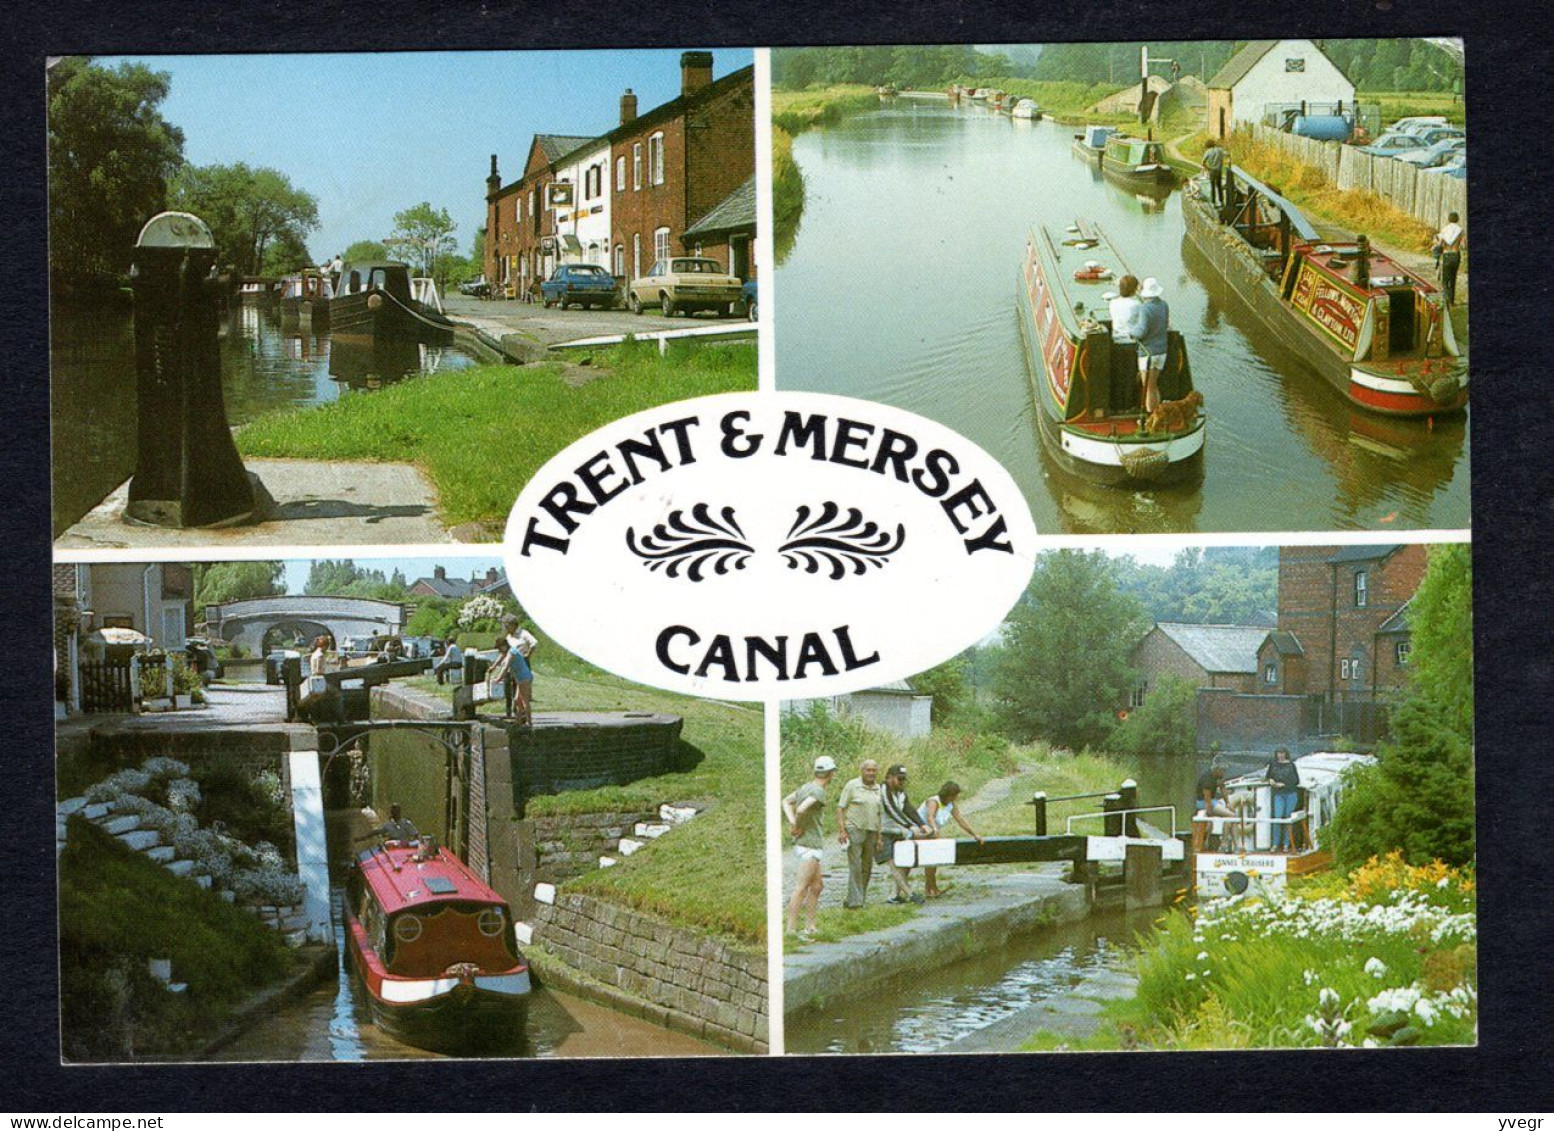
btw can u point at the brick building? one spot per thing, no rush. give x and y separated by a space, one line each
1204 655
459 588
1343 624
635 193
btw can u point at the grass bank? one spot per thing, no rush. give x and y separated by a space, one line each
793 112
481 433
1384 957
709 873
117 910
1397 104
1065 102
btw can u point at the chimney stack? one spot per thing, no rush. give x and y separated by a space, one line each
494 179
628 107
491 575
695 71
440 573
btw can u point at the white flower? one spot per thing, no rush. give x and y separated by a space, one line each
1202 954
1370 1043
1192 977
1328 998
1311 976
1443 881
1376 968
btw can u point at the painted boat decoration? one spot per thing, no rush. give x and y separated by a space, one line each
1377 332
304 300
1085 385
375 298
433 947
1245 858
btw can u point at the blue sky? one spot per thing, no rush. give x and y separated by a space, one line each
372 134
297 568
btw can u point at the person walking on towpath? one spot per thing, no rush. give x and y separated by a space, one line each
1215 161
858 811
1449 242
898 822
1150 327
804 809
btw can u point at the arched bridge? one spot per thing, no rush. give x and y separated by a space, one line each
250 623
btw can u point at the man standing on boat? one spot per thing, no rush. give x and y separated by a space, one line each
858 827
1215 160
1449 241
1150 327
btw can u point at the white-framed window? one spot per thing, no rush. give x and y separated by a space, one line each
656 159
620 173
1361 588
1294 66
1402 650
636 165
1136 696
1343 668
660 244
531 202
1270 673
620 259
517 210
636 255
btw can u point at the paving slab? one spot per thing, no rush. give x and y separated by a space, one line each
317 502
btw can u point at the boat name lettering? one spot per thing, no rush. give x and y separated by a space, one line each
1329 305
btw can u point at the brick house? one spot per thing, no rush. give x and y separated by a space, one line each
635 192
458 588
1220 656
1343 623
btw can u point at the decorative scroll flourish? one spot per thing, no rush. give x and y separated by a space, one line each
693 544
838 540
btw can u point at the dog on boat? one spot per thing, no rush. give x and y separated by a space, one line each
1239 835
1175 416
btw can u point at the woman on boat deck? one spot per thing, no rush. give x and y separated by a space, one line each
937 812
1122 307
1285 779
1150 327
805 810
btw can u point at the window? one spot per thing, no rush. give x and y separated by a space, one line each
1271 673
660 243
1343 668
636 255
1294 66
1361 583
1136 696
656 159
636 165
1401 650
620 173
620 259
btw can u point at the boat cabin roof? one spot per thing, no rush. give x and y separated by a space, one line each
1319 772
404 876
1301 226
1073 299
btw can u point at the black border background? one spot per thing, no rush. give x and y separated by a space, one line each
1508 67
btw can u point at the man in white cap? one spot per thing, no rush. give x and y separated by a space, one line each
805 810
1149 327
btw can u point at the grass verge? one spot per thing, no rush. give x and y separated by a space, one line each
793 112
835 923
482 433
117 910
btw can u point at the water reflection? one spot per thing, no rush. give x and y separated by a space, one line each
900 288
265 367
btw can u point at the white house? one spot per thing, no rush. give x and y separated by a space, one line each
1272 74
893 708
583 226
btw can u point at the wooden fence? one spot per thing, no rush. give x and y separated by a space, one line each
106 687
1428 198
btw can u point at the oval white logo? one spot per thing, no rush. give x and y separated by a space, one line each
770 545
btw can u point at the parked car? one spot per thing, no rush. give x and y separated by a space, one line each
1455 165
687 285
1439 133
1392 143
748 293
583 284
475 288
1432 155
1416 123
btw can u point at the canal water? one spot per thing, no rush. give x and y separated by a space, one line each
333 1022
900 287
264 368
929 1009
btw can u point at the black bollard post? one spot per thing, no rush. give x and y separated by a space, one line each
187 472
1039 803
1129 793
291 677
1113 820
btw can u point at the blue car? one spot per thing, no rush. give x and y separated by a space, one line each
747 293
584 284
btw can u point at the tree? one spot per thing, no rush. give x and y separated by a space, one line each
947 684
364 251
1419 795
111 154
216 583
1167 723
287 254
425 235
1063 666
247 209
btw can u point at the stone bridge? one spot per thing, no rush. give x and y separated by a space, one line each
254 623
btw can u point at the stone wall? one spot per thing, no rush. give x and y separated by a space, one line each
586 752
570 844
699 985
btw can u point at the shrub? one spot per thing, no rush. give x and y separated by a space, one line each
1166 723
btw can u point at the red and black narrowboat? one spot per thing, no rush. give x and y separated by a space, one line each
1377 332
1085 385
433 947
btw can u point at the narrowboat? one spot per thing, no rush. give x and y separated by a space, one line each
1138 163
1244 857
256 290
1090 143
375 299
433 947
304 300
1374 330
1086 386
